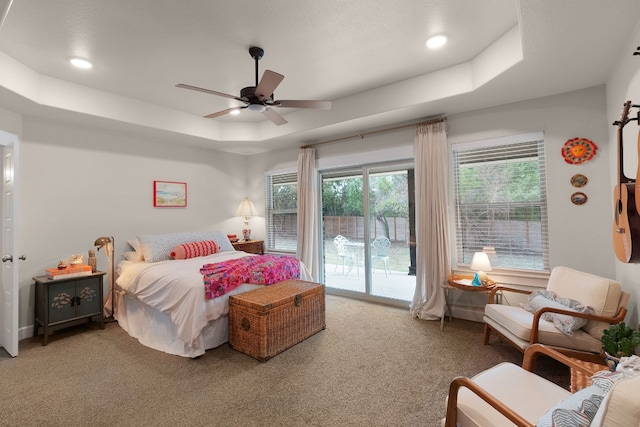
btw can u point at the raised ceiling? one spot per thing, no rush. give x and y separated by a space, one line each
366 56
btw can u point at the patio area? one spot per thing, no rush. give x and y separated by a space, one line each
396 284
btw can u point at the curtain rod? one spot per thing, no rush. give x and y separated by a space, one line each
375 132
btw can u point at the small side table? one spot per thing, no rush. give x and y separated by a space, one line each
62 301
454 282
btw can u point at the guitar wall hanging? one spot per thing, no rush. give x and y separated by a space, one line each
626 224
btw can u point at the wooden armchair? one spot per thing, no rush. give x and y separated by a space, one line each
522 328
508 395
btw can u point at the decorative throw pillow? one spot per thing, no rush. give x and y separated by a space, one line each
565 323
576 410
194 249
606 379
158 247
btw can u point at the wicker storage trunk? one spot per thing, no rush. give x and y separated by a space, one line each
269 320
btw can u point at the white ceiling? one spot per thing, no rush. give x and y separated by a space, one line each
366 56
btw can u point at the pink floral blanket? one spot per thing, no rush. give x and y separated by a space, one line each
223 277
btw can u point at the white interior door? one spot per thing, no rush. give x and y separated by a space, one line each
9 279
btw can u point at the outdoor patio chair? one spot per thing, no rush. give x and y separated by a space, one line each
380 251
343 252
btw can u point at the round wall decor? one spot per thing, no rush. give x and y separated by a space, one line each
578 198
578 180
578 150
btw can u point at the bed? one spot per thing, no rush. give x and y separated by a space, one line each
161 301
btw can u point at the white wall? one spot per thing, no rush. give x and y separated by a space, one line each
579 235
624 85
78 184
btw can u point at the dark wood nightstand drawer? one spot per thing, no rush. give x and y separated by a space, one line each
250 246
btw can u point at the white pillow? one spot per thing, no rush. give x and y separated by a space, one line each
565 323
131 256
158 247
135 244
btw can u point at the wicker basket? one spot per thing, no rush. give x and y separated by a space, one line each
269 320
579 379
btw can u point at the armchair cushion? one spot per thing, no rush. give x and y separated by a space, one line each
515 324
620 407
526 393
602 294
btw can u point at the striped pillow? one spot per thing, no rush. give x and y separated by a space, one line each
195 249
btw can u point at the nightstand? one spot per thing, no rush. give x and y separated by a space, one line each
60 302
250 246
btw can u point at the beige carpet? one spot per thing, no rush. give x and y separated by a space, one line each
373 366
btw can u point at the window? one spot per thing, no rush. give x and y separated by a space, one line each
501 202
282 207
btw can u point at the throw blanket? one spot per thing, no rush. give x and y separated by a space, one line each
223 277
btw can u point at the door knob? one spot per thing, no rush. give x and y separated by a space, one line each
7 258
22 257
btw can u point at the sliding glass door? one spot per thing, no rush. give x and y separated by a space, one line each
367 230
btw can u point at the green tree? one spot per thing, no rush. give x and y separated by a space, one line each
388 198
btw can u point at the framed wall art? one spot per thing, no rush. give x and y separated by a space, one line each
578 198
169 194
579 180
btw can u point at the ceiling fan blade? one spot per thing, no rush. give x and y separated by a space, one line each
268 84
209 91
290 103
222 113
274 117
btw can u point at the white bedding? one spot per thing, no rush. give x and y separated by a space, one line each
176 288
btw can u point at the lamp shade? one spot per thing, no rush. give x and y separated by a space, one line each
480 262
246 208
101 241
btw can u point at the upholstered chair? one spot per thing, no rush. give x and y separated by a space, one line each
523 328
508 395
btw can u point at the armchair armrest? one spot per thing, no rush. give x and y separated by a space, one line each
533 351
452 403
622 312
495 289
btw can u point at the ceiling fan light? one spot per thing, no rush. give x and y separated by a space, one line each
258 108
436 41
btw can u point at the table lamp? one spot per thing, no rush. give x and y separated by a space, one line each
108 244
246 210
481 264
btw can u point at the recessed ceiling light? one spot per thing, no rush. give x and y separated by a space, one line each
436 41
234 112
81 63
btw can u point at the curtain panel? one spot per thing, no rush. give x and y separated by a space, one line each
433 265
308 212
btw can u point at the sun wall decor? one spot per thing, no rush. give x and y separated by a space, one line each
578 150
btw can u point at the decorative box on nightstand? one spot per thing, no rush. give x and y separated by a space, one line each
250 246
62 301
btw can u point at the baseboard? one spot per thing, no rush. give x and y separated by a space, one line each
25 332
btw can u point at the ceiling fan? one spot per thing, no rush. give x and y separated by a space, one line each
259 98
